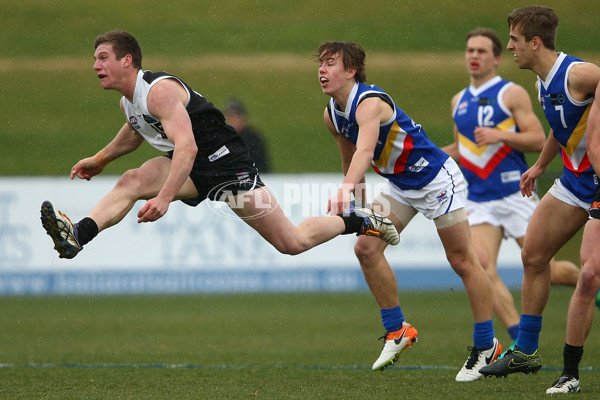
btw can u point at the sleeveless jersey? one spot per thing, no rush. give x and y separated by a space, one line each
568 120
492 171
403 154
214 138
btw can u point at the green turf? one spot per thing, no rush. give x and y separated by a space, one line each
288 346
54 113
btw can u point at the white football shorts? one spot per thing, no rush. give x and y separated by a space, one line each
444 194
559 191
512 213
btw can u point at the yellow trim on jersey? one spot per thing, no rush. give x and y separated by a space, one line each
386 153
578 132
470 145
505 125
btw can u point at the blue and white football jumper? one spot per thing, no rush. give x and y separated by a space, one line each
492 171
403 154
568 119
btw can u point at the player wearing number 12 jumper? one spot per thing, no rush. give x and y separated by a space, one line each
494 124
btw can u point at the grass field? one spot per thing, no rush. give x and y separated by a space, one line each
245 347
287 346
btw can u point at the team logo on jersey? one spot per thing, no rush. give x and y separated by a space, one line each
557 98
134 122
462 107
487 101
346 130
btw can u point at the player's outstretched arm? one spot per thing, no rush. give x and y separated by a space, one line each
126 141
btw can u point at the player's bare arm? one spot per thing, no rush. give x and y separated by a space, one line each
165 101
547 154
368 116
583 80
346 149
452 149
531 136
126 141
593 132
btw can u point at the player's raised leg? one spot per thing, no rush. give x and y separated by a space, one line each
144 182
259 209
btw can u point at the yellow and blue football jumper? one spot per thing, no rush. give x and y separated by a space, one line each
492 171
403 154
568 119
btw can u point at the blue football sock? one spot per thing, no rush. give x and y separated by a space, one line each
392 319
529 333
483 334
513 331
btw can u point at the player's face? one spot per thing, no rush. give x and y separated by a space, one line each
332 73
481 61
107 66
519 47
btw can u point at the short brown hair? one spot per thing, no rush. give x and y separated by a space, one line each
540 21
353 56
123 43
490 34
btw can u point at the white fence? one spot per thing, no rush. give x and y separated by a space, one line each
204 249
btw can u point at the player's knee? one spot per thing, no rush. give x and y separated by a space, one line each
292 248
589 282
460 266
366 253
533 260
129 180
487 264
463 262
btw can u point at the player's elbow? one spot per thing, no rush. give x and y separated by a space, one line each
593 146
193 149
366 153
190 149
539 146
536 143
